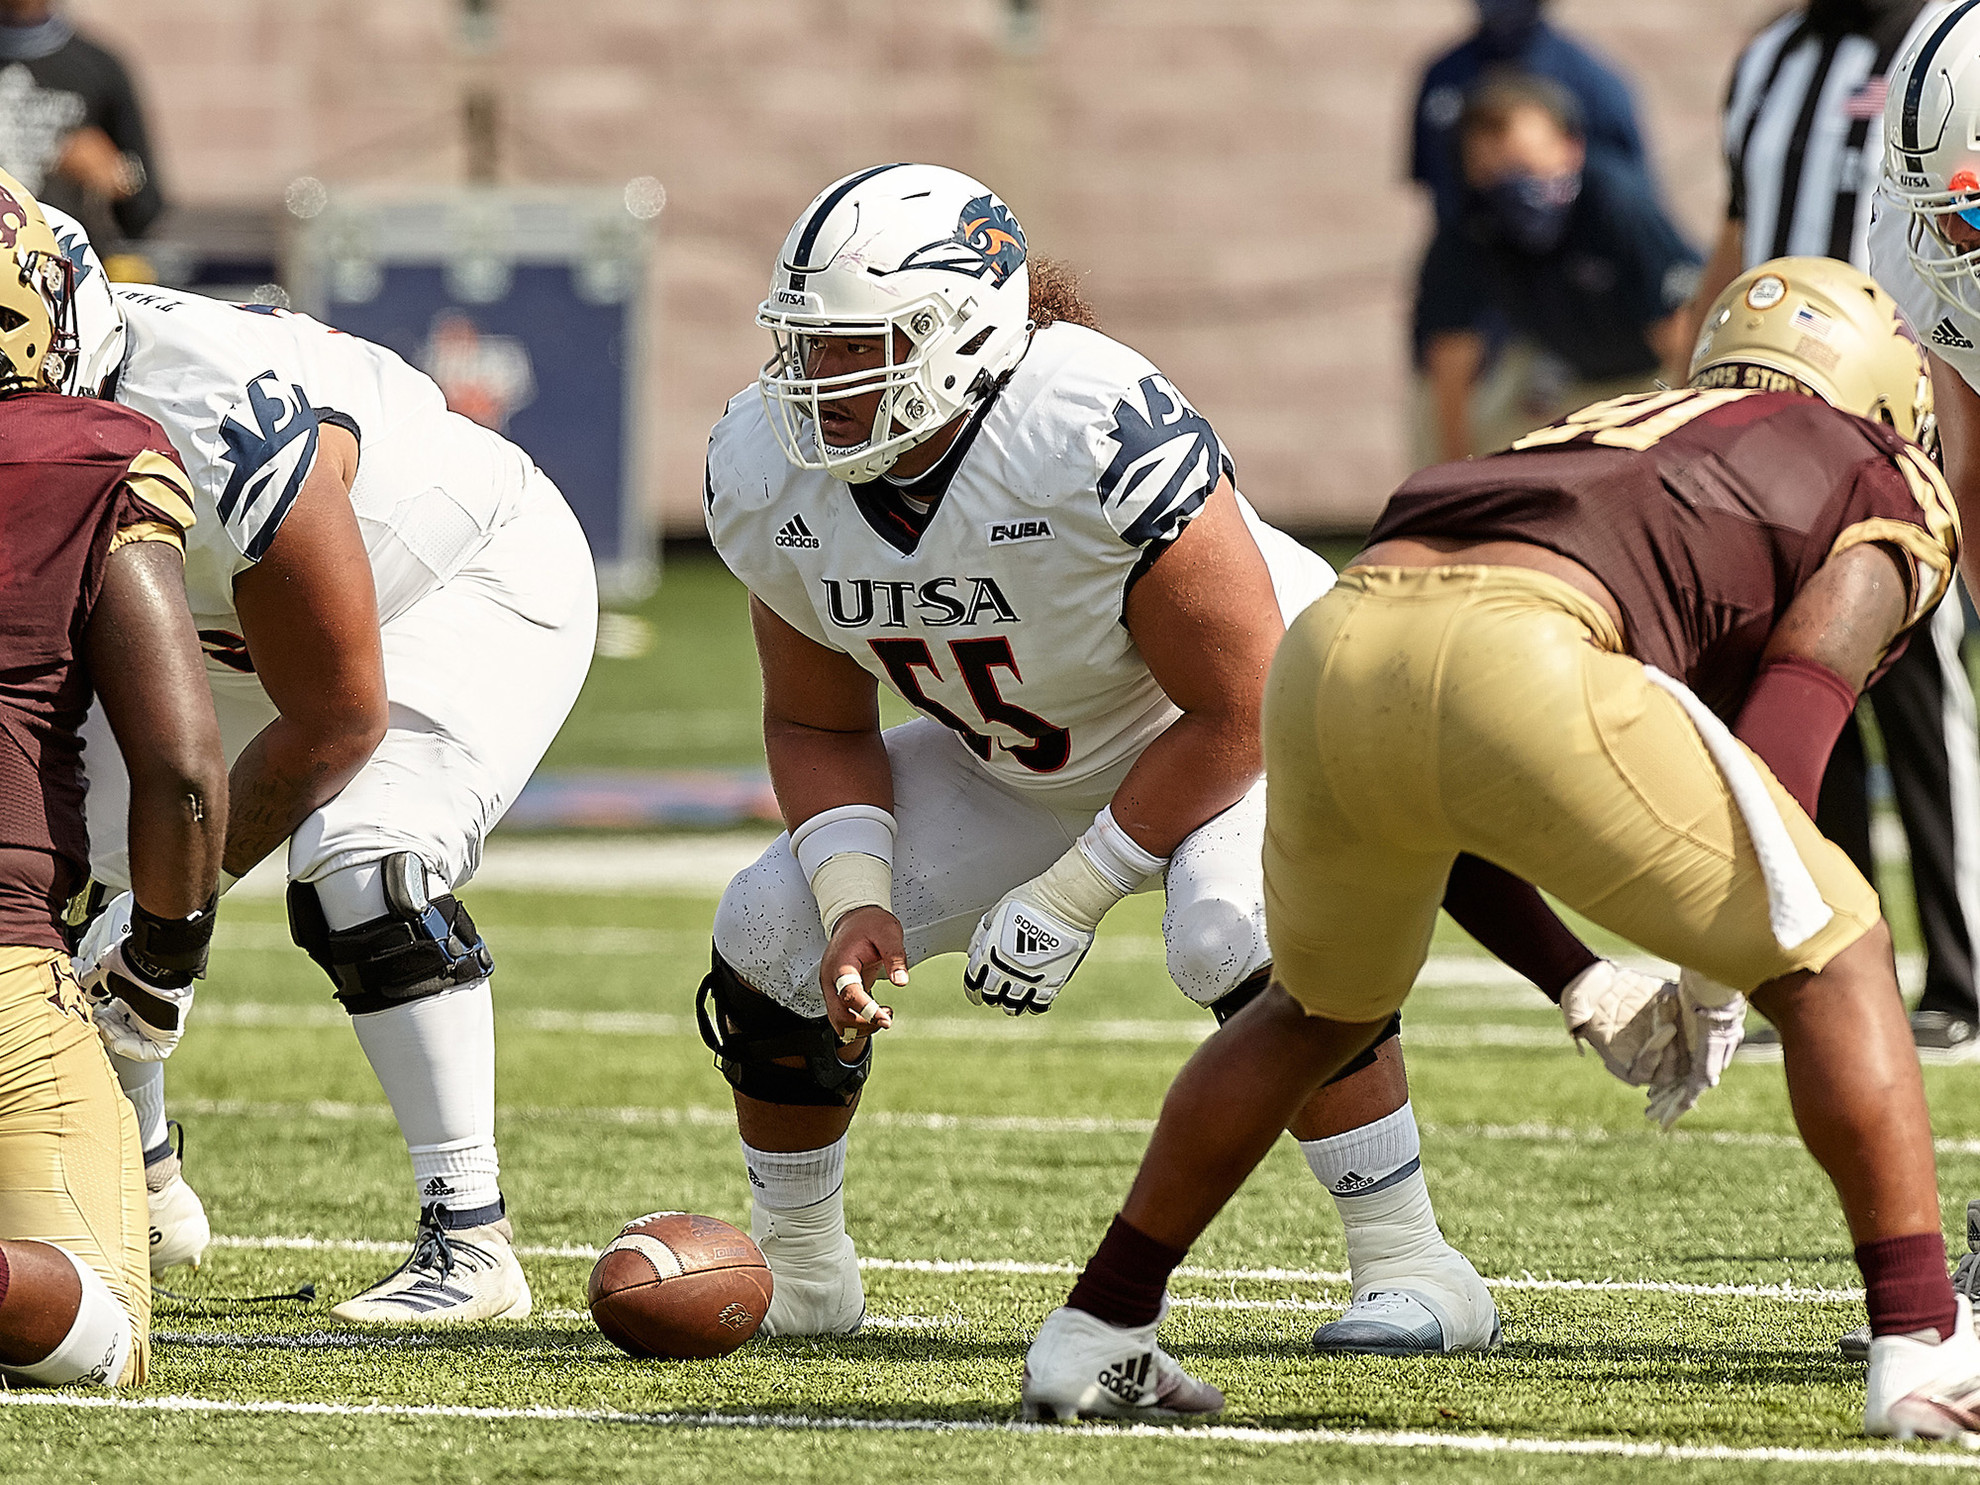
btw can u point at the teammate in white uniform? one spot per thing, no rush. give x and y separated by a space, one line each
946 484
398 610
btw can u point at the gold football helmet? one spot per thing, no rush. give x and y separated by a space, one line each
1821 327
37 280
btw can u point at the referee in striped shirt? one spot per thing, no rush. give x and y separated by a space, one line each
1804 147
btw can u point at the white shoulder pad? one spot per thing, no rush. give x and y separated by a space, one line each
244 427
1104 413
1949 333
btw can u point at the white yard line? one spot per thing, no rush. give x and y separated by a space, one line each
1185 1436
1792 1293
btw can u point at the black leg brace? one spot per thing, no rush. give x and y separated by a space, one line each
1254 987
748 1031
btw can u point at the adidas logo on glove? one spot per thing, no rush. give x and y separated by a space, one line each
796 534
1030 938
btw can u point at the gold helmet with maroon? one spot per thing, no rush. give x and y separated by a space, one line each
37 320
1824 328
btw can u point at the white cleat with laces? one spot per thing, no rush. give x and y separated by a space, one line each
1925 1390
179 1229
454 1274
1079 1366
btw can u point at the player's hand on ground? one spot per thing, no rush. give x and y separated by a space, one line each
1629 1019
140 1012
1711 1025
866 945
1021 956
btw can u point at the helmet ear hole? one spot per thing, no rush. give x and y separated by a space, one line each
11 319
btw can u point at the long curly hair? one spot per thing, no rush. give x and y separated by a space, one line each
1055 295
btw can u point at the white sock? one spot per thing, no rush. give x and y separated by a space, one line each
144 1085
98 1345
435 1059
1375 1175
784 1180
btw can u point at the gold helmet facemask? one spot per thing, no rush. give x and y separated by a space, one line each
37 299
1819 326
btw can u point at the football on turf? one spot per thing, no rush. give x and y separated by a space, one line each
678 1285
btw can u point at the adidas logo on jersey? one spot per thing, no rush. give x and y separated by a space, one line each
1004 533
1125 1379
797 534
1031 939
1946 333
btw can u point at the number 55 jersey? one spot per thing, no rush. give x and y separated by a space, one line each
989 592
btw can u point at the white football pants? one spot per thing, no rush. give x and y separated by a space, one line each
965 839
480 673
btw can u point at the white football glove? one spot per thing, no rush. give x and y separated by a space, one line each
1021 956
1711 1025
140 1017
1629 1018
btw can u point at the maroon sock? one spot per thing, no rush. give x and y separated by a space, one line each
1905 1285
1124 1279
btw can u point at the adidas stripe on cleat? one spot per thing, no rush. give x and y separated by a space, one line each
466 1273
1079 1366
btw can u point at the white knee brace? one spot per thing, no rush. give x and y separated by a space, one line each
98 1345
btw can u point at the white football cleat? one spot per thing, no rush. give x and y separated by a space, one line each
1923 1391
1079 1366
1435 1304
179 1229
817 1289
467 1273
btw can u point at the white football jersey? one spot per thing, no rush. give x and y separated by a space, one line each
243 390
1000 614
1948 331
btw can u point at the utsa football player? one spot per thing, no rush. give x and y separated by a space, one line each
1612 659
947 482
398 610
96 510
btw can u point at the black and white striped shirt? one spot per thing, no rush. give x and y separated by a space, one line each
1804 135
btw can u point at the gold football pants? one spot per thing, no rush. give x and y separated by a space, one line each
1414 713
71 1171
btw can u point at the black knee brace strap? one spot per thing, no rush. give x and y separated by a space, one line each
747 1031
1253 987
419 948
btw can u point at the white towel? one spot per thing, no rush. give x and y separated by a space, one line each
1795 909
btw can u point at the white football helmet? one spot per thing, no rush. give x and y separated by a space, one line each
99 318
1932 151
921 257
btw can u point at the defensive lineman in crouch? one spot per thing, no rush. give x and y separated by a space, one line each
947 483
398 610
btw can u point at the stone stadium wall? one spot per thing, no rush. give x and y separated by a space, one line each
1227 172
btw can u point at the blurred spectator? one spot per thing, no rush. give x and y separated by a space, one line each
70 127
1512 35
1804 150
1565 246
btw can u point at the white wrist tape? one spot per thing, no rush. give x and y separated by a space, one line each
865 828
1114 853
1074 891
98 1345
851 879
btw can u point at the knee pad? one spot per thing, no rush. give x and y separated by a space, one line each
748 1031
766 926
98 1346
421 946
1213 944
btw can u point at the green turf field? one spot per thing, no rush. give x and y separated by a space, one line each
1670 1303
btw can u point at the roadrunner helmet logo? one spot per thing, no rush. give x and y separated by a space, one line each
988 243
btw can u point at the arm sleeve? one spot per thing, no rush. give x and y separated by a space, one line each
1509 917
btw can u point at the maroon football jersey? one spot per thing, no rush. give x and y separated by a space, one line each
78 478
1702 512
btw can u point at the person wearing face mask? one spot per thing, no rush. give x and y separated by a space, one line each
1513 34
1562 246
